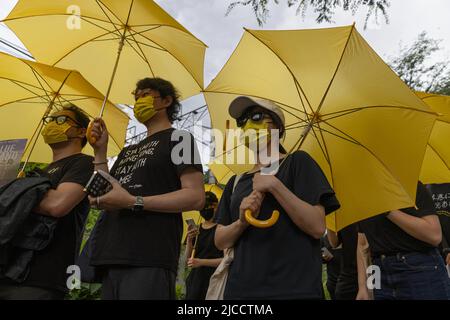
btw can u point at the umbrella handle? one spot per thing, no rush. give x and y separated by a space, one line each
262 223
90 138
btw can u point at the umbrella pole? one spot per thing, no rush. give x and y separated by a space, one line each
119 53
196 238
91 139
21 173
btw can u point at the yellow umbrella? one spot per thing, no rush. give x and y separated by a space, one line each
342 104
436 163
29 91
131 39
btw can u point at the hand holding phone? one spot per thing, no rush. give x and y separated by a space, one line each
97 185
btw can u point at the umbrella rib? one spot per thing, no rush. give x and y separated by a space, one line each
324 152
297 85
294 125
49 15
182 64
150 46
327 154
23 100
385 106
373 154
107 39
281 105
439 155
169 27
95 24
338 136
106 15
36 74
92 117
337 68
80 45
22 85
287 67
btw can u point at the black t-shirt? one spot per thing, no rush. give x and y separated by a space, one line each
146 239
348 278
385 237
281 262
441 197
198 280
49 266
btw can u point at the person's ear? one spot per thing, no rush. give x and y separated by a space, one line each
167 101
82 132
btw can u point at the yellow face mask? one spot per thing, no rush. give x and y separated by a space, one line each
144 109
55 133
255 131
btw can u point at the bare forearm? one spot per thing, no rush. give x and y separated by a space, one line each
101 162
210 262
333 238
189 248
226 236
362 276
177 201
418 228
307 217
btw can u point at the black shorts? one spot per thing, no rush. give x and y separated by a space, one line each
138 283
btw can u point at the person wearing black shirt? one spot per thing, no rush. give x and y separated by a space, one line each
206 256
138 238
283 261
347 282
65 133
403 244
332 257
441 197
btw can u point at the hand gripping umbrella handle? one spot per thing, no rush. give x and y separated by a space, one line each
262 223
90 138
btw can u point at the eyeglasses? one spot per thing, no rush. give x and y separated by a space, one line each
142 93
257 116
59 119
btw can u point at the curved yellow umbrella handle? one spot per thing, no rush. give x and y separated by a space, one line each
262 223
91 139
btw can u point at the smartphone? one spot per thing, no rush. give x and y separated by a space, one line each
191 223
326 253
97 185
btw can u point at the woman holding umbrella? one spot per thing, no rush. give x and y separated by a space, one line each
284 260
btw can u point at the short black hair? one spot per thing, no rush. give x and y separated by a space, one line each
165 89
80 116
210 198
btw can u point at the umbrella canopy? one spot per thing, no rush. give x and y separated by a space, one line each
436 163
86 35
31 90
343 105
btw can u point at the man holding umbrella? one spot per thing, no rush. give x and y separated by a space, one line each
138 237
282 261
65 133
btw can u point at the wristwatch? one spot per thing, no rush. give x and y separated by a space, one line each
139 204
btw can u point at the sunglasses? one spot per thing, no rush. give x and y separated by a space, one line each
59 119
256 116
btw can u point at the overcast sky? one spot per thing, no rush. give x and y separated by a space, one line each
206 19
